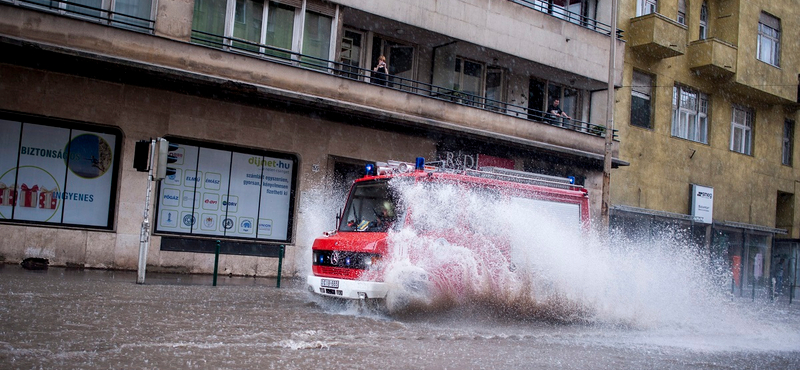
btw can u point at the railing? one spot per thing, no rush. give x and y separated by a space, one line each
289 57
101 15
557 11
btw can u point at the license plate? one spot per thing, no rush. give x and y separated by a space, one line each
327 283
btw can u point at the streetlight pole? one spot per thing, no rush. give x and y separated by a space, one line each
609 132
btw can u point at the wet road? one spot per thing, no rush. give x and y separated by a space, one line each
99 320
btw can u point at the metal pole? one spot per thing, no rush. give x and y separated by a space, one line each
144 234
216 263
609 132
281 250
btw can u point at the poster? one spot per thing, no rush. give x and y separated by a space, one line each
224 193
56 175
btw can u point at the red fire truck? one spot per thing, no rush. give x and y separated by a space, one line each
351 262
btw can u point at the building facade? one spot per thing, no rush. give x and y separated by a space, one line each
707 116
275 106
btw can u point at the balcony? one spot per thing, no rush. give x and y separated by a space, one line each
393 82
657 36
712 58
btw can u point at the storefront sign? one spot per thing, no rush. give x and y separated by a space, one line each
702 203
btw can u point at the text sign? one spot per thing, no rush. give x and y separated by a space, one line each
702 204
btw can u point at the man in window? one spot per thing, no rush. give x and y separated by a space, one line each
554 113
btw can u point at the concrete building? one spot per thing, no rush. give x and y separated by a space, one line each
707 117
275 106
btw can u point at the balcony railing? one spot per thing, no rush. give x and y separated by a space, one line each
91 13
289 57
548 7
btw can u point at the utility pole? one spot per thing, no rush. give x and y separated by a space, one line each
612 58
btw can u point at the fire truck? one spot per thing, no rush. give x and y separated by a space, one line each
351 262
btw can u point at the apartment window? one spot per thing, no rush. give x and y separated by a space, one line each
469 77
640 100
644 7
769 39
682 12
541 95
272 28
350 52
788 140
704 21
689 114
742 130
131 14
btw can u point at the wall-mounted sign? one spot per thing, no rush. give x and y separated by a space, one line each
57 175
228 193
702 204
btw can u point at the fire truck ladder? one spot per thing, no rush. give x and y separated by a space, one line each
498 173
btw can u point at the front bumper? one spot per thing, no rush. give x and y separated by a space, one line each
348 289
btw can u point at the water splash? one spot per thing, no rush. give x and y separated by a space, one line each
661 292
552 271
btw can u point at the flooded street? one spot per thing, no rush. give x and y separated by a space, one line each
99 319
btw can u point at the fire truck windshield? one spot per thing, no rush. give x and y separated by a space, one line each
371 208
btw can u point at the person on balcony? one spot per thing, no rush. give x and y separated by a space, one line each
380 72
555 114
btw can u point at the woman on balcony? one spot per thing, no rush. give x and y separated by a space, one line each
380 72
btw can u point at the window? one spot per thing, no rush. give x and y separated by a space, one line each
769 39
640 100
469 78
689 114
682 12
131 14
223 191
317 38
350 53
742 130
271 28
788 141
704 21
541 95
644 7
58 173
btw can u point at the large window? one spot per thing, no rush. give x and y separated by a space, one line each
769 39
742 130
58 173
640 100
788 142
274 28
132 14
228 192
542 94
644 7
689 114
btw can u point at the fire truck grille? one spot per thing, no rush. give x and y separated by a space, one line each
350 260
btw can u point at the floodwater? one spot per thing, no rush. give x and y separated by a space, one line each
89 319
568 302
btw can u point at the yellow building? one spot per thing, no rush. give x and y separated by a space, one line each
708 107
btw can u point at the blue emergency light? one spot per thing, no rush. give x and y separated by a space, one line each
370 168
571 180
420 165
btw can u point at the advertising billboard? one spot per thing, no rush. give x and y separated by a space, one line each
57 174
228 192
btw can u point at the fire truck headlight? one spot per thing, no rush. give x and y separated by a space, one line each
371 262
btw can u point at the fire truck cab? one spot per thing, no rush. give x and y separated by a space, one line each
350 262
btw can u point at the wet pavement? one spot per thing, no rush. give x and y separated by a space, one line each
61 318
